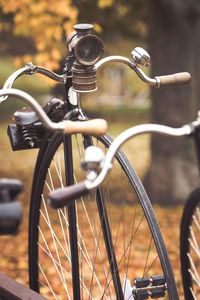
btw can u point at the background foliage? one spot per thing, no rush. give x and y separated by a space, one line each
40 27
36 30
43 23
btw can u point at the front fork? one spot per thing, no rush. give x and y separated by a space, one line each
72 102
68 158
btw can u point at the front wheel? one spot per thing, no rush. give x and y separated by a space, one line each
118 248
190 246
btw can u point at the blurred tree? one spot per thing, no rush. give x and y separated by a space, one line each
42 26
171 29
45 22
10 43
115 17
174 28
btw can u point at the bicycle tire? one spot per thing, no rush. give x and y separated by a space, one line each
146 228
190 245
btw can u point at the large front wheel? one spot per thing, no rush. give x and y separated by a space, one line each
118 251
190 246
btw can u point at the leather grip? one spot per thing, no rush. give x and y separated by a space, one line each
63 196
93 127
174 79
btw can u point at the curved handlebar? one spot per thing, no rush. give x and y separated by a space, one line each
30 69
95 126
129 133
64 196
158 81
9 82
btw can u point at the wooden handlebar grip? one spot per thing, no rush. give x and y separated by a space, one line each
93 127
175 79
63 196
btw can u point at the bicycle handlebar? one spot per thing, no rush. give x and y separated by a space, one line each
174 79
65 196
158 81
94 127
90 127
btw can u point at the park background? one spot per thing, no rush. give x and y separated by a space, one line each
36 31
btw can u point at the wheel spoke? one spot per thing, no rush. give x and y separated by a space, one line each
190 246
111 229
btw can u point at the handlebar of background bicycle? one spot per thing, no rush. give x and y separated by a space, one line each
92 127
64 196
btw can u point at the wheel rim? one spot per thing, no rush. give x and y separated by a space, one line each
194 253
135 252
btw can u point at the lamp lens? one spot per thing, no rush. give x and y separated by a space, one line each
89 50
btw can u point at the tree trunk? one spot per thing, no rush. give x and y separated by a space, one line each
174 42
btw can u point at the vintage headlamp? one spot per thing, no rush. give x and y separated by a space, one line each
88 50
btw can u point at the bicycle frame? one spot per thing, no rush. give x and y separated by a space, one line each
68 158
89 185
71 209
75 113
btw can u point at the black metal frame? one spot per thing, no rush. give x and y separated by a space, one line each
71 114
68 157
